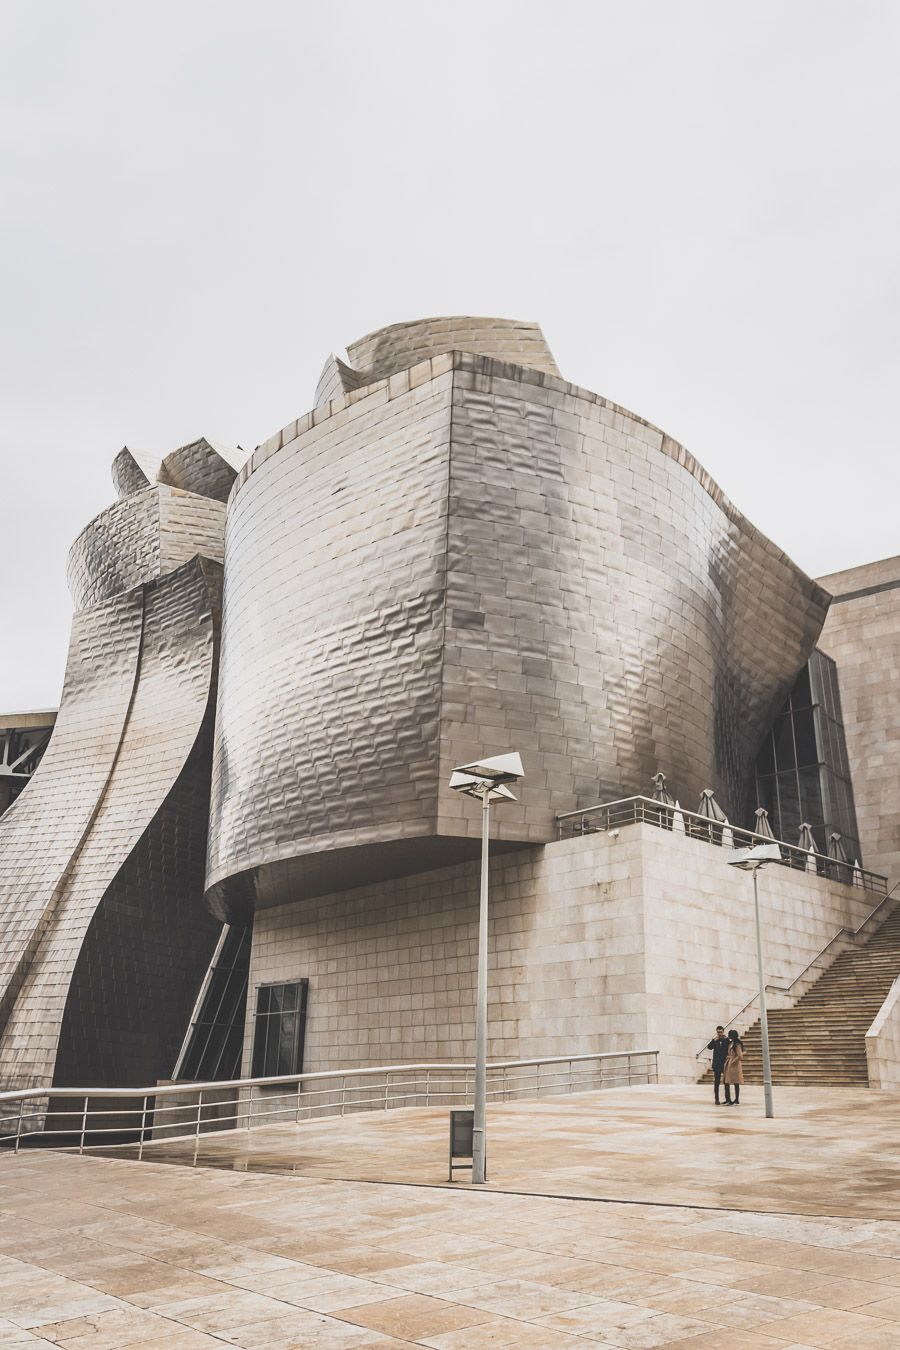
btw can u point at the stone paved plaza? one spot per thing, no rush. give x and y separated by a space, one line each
791 1238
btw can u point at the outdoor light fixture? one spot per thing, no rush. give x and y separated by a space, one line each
751 860
487 780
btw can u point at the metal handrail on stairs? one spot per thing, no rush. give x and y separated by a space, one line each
844 932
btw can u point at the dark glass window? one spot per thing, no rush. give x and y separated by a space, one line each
805 737
810 796
279 1029
215 1041
766 762
802 772
784 743
801 694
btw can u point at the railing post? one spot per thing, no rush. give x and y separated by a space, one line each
19 1125
387 1083
250 1107
297 1114
570 1078
427 1087
143 1128
343 1094
83 1125
199 1113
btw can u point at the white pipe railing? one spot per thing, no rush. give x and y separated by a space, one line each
146 1115
608 816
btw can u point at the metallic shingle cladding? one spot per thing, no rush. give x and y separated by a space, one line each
143 535
330 677
469 556
201 467
390 350
101 857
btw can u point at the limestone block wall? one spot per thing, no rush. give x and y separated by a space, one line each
700 943
862 634
597 944
883 1044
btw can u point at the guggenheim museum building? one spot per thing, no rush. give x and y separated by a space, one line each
238 853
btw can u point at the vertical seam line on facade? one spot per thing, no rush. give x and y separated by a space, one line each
446 587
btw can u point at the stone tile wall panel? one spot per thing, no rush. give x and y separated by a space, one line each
862 634
596 944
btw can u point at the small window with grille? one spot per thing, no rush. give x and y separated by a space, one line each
279 1029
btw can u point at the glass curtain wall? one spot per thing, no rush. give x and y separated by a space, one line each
802 773
214 1044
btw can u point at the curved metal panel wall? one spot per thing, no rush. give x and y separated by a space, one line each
131 853
609 612
471 556
143 535
101 932
390 350
330 676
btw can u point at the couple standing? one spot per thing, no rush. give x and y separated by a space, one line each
728 1064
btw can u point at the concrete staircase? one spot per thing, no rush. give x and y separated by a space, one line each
821 1040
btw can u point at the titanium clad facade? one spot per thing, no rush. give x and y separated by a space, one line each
466 556
103 937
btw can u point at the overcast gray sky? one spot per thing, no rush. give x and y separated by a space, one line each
200 200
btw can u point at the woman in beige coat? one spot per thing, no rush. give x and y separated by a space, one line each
733 1074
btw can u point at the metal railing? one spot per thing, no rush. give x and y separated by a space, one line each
791 990
634 810
85 1118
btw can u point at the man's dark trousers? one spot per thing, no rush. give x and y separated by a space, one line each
719 1050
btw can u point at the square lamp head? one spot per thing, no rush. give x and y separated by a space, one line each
488 776
748 859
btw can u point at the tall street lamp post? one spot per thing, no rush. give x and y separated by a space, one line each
486 780
751 860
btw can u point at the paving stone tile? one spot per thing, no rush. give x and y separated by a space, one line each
297 1327
109 1330
437 1263
825 1326
413 1316
503 1334
525 1299
883 1307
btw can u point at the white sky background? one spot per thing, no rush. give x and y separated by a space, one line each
199 201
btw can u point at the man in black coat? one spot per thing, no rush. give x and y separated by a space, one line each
719 1048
